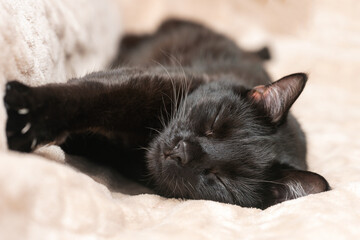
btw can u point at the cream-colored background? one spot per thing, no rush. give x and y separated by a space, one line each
43 199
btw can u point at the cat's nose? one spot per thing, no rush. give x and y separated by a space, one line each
179 153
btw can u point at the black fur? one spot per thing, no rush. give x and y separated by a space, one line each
184 105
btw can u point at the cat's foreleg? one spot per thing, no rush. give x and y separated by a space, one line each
40 115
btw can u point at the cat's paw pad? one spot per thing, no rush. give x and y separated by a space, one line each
19 104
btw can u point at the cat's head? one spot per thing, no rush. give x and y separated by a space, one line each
230 144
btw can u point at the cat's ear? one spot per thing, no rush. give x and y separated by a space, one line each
276 98
294 184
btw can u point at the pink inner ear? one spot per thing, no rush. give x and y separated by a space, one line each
258 93
269 98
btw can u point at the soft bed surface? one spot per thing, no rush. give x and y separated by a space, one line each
48 195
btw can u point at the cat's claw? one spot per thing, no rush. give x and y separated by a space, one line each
26 128
23 111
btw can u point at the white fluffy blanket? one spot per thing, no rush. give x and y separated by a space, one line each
49 40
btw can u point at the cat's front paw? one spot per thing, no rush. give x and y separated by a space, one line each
22 125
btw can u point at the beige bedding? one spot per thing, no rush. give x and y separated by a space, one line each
43 196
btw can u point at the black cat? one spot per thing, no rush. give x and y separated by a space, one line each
184 106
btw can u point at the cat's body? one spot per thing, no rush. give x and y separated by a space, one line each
212 124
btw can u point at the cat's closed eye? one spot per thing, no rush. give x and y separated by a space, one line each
210 132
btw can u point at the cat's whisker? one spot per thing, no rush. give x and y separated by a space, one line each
154 129
186 92
165 108
144 148
147 177
161 119
172 57
167 72
175 184
181 95
227 188
180 189
164 173
185 96
185 183
184 82
264 181
176 101
192 187
175 92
